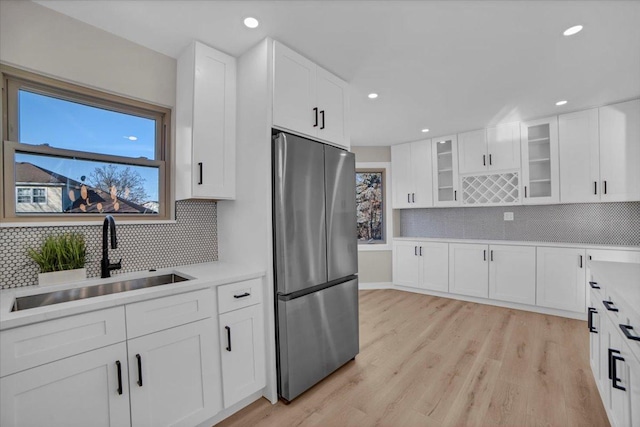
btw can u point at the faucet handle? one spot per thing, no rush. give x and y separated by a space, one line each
116 266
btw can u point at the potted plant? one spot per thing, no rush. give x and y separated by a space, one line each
61 259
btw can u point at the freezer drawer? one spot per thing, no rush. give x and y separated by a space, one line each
317 333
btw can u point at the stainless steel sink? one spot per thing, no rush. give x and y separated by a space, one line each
40 300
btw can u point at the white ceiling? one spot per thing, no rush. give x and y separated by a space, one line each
449 66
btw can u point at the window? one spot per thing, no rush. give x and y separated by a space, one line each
370 206
93 152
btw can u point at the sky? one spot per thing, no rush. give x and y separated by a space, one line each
73 126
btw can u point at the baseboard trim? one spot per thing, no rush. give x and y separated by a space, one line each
226 413
375 285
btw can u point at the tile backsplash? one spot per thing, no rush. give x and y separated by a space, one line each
597 223
192 239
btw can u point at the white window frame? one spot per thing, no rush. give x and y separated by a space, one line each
46 199
385 167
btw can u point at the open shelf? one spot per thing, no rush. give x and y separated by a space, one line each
445 170
446 188
539 140
539 160
539 180
444 153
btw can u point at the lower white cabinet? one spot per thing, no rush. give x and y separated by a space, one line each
174 377
242 348
89 389
421 265
561 278
469 269
512 273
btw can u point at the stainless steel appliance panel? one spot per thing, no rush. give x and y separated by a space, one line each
299 214
342 233
318 333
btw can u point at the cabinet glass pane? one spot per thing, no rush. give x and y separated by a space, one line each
445 171
539 143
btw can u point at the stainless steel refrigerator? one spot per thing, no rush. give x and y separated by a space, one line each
316 261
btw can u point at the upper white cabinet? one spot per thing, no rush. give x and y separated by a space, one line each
445 171
493 149
512 273
540 161
469 269
412 179
620 151
205 124
561 278
308 99
421 265
600 153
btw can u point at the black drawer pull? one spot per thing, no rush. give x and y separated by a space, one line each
246 294
610 360
609 306
580 261
594 285
625 330
200 168
228 338
484 254
614 374
592 329
315 110
322 114
119 366
139 369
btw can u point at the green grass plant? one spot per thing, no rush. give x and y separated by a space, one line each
60 252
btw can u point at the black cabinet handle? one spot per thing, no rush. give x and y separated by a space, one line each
595 187
605 186
246 294
594 285
322 114
413 197
315 110
200 167
490 161
525 191
139 369
484 160
590 313
625 330
228 338
420 250
491 256
610 359
580 261
614 373
415 250
119 366
455 195
484 254
408 197
609 306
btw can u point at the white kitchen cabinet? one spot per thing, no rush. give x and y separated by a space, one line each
421 265
243 353
308 99
503 147
412 177
469 269
89 389
205 124
174 376
561 278
620 151
472 152
540 161
445 171
512 273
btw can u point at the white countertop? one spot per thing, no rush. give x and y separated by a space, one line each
518 243
203 276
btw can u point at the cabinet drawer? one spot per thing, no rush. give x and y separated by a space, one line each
238 295
163 313
33 345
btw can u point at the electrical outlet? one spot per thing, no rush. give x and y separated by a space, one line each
508 216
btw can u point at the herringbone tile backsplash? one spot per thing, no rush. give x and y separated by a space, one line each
596 223
192 239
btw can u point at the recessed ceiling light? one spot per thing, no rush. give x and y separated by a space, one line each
561 102
425 130
372 95
442 142
251 22
573 30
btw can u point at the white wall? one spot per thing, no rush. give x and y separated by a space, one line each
39 39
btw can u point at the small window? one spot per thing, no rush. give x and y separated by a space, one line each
81 152
370 206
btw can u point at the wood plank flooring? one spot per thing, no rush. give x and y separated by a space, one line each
429 361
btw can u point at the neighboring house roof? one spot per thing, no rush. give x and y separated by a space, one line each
32 174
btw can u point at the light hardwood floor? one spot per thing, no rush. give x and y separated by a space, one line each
429 361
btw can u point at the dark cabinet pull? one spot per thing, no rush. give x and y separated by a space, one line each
580 261
139 369
408 197
415 250
614 373
491 256
484 160
420 250
322 114
200 167
605 186
246 294
625 330
315 110
594 285
595 187
490 161
610 359
118 365
590 313
609 306
413 197
484 254
525 191
455 195
228 338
